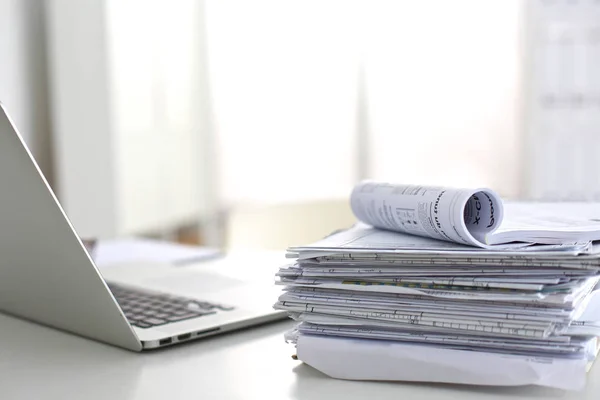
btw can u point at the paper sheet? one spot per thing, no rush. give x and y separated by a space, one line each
321 319
449 292
522 283
531 219
361 359
364 241
358 299
458 323
448 307
554 349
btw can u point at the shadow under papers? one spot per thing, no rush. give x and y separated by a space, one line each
310 382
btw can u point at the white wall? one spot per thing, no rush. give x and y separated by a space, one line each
23 83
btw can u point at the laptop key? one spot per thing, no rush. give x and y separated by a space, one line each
163 304
141 324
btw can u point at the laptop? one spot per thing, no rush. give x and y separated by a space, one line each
48 276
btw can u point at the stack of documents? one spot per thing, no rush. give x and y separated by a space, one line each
437 284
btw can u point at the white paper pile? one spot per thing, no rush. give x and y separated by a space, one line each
379 304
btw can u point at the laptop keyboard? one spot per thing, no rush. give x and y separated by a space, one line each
145 309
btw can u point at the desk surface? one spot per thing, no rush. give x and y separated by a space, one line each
39 362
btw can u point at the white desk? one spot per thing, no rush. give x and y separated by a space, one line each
42 363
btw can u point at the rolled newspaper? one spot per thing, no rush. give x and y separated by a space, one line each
464 216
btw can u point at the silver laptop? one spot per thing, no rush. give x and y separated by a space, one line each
47 275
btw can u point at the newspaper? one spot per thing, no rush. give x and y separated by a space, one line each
472 217
484 343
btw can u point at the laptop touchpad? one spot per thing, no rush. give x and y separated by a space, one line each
194 283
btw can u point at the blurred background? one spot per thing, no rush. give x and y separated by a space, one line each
245 124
